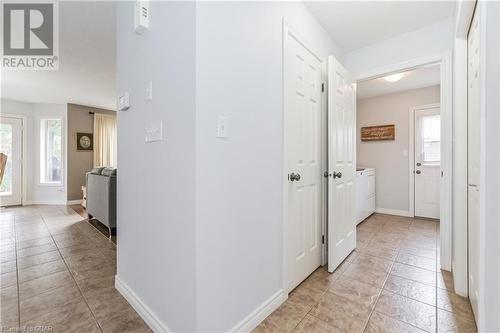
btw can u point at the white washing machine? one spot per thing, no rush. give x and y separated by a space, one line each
365 193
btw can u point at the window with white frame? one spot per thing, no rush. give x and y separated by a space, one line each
51 161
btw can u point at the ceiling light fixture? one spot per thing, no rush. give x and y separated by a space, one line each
394 77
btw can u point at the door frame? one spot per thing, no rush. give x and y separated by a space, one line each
289 31
465 11
411 153
24 147
444 60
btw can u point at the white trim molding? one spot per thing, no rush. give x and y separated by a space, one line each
389 211
74 202
465 11
250 322
44 202
142 309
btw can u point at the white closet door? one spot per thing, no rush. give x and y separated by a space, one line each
473 148
341 164
303 130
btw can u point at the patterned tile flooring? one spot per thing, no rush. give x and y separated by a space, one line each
390 283
57 275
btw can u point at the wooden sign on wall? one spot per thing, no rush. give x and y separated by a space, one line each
378 133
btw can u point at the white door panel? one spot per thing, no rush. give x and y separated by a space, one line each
427 162
303 130
11 145
341 164
473 164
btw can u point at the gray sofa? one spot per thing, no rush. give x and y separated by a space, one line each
101 196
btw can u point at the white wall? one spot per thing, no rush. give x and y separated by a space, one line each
37 193
239 179
235 251
156 181
428 41
392 169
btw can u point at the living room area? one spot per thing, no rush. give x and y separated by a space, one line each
58 134
58 127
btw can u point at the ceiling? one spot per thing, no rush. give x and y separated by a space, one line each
414 79
355 24
87 53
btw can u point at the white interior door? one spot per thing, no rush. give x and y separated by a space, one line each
11 145
341 164
303 130
473 149
427 162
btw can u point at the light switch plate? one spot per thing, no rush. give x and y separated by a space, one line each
222 126
123 101
141 17
154 131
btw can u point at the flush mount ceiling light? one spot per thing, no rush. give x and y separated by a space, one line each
394 77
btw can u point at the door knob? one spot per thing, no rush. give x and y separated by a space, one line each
419 164
326 174
418 172
294 177
337 175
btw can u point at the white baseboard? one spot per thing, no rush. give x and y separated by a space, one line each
260 313
393 212
142 309
245 326
74 202
43 202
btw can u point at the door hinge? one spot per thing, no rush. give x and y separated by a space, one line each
322 87
442 174
323 239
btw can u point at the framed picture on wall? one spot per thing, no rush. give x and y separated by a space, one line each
84 141
378 133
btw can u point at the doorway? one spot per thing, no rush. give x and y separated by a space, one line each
443 63
11 136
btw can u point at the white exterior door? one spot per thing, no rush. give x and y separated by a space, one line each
303 129
11 145
427 162
473 149
341 164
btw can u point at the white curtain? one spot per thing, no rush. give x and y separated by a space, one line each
104 140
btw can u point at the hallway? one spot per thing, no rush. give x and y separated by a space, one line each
390 283
57 273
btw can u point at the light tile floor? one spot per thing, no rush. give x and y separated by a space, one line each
57 274
390 283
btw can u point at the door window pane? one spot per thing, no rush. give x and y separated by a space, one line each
51 151
431 137
6 148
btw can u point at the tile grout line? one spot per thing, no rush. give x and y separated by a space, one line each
381 289
17 276
72 276
323 295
